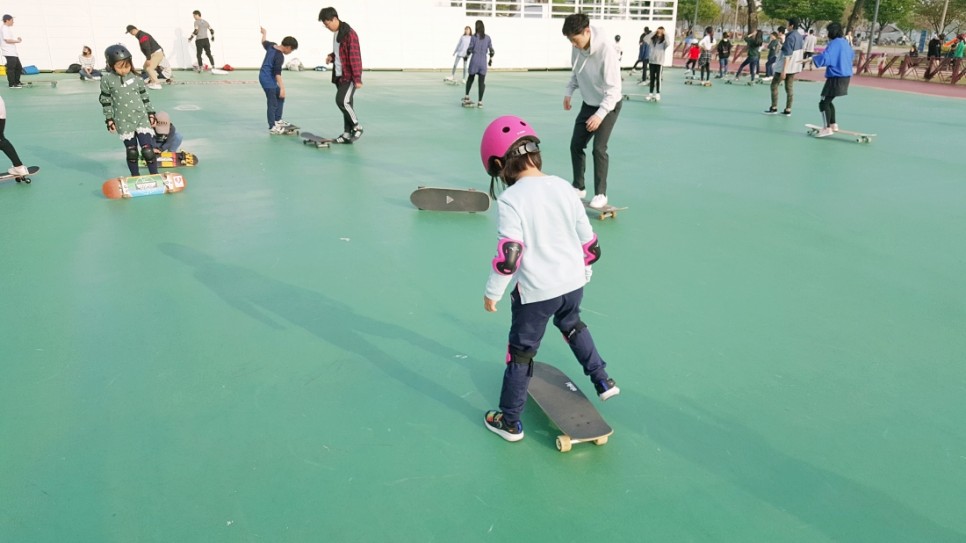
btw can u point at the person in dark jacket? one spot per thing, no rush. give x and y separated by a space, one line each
346 59
153 54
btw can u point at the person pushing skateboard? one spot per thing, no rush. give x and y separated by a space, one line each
546 246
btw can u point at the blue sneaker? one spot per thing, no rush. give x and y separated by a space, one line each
509 431
606 389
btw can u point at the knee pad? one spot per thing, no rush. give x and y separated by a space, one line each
591 251
524 358
148 153
509 252
132 154
569 335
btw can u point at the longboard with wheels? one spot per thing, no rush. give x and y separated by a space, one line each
608 211
567 408
37 83
319 142
143 185
443 199
21 178
173 159
860 137
642 97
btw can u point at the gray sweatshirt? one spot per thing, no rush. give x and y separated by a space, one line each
546 216
597 73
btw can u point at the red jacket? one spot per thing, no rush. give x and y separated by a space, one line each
349 54
694 52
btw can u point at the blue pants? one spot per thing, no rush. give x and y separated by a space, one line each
275 105
146 141
528 324
174 143
770 66
722 66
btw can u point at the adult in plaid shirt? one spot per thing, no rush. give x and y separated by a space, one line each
346 72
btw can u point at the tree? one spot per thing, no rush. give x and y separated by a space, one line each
708 11
854 17
807 11
752 16
897 12
928 13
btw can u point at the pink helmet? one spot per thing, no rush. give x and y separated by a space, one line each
498 138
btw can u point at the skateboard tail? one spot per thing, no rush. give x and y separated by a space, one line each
145 185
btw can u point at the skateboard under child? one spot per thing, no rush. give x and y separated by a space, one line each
860 137
143 185
567 408
21 178
172 159
603 212
442 199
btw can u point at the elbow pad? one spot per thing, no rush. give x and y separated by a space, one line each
591 251
509 252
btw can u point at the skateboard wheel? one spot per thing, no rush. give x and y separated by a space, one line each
600 441
563 443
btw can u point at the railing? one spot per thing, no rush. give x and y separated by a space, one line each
623 10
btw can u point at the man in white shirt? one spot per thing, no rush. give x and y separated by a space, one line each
8 47
597 74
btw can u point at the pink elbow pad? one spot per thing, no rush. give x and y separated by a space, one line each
591 251
509 253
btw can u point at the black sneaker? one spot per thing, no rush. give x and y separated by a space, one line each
344 138
787 113
771 111
606 389
495 423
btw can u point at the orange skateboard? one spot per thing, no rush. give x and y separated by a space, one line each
143 185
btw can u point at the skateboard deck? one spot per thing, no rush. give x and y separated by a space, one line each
23 178
452 82
219 71
470 104
169 159
38 83
440 199
309 138
696 82
642 97
860 137
605 212
143 185
748 83
567 407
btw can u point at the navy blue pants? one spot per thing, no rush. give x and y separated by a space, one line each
528 324
275 105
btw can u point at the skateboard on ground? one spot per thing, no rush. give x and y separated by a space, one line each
143 185
858 136
469 104
697 82
451 81
291 130
567 407
748 83
440 199
604 212
642 97
37 83
309 138
23 178
169 159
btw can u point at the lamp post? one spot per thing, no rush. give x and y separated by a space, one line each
875 19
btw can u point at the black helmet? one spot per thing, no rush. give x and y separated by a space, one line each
115 53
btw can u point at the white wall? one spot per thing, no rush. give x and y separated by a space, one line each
393 33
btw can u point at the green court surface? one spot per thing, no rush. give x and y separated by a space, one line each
289 351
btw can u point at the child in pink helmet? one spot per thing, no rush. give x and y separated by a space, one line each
546 247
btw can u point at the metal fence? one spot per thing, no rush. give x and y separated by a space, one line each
621 10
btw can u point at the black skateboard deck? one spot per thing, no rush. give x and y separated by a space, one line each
440 199
31 170
567 407
309 138
608 211
860 137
